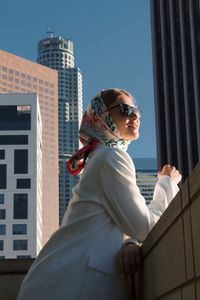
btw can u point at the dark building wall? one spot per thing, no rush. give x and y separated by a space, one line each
176 61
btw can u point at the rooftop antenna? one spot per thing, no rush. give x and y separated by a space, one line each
50 32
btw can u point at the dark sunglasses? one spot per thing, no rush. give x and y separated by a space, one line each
127 110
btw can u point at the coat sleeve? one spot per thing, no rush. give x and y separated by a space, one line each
122 198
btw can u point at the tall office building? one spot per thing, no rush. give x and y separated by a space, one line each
146 176
176 62
18 75
57 53
20 176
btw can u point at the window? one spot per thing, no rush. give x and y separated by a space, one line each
2 214
13 139
1 245
1 198
20 245
21 161
20 206
2 229
23 256
15 117
24 183
2 154
3 176
19 228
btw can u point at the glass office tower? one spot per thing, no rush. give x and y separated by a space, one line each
146 176
57 53
176 62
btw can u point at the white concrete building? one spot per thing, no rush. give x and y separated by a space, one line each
20 175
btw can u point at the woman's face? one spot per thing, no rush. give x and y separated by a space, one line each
128 126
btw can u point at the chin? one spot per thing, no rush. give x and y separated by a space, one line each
135 137
132 137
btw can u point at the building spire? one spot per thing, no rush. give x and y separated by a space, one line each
50 32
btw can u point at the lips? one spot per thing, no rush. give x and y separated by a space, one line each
132 126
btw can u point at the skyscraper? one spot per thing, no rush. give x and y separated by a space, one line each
19 75
146 176
176 62
57 53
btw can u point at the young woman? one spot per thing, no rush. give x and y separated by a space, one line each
106 210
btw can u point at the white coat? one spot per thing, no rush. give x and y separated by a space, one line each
78 262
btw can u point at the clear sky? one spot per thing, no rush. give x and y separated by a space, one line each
112 47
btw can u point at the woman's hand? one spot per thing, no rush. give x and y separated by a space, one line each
170 171
129 259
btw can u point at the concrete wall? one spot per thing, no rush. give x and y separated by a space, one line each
171 252
12 272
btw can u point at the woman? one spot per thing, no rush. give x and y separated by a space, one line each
79 261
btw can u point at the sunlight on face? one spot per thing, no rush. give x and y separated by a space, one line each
128 126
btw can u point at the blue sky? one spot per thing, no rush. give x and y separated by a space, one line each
112 47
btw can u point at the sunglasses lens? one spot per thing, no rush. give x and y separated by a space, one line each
124 110
127 110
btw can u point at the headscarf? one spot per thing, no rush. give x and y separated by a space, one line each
97 127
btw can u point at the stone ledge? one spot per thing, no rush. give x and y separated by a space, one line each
15 265
169 216
172 249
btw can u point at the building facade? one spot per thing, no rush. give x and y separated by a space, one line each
20 176
57 53
146 176
176 62
19 75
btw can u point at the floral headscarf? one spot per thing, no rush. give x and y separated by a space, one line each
97 127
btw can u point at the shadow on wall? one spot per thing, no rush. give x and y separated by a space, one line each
171 252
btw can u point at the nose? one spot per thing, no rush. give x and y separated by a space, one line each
135 117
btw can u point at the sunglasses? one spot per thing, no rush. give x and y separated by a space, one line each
127 110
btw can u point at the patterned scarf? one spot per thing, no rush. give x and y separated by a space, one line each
97 127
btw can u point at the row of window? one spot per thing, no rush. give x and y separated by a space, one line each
17 245
1 198
20 207
22 183
20 167
2 154
18 256
62 55
24 83
54 61
13 139
15 117
16 229
28 77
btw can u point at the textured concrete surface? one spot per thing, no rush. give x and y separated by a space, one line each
172 249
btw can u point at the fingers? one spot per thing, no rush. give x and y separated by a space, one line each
174 173
170 171
165 170
129 259
131 286
120 262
